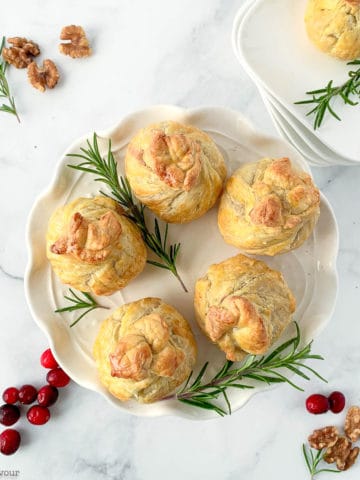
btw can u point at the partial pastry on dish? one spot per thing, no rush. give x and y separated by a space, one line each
243 306
334 27
144 350
176 170
93 247
268 207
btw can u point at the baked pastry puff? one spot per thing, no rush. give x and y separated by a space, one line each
243 306
268 207
93 247
144 350
176 170
334 27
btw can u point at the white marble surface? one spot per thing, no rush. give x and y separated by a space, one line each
147 53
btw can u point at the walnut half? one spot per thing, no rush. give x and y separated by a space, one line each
78 46
21 53
354 453
339 452
324 437
352 423
43 77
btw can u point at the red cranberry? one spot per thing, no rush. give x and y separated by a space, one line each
47 395
27 394
57 377
317 404
11 395
38 415
47 359
9 441
337 402
9 414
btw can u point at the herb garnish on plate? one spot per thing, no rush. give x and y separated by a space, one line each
322 98
267 369
106 171
77 303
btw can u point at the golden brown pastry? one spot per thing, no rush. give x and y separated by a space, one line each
144 350
93 247
243 306
334 27
268 207
176 170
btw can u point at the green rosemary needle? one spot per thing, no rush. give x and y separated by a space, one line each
267 369
322 98
312 460
78 303
5 89
105 170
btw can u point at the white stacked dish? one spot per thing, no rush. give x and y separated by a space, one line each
284 65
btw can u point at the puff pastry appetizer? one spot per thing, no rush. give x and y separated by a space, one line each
268 207
176 170
334 27
144 350
243 306
93 247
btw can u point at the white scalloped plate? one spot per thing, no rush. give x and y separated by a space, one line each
310 270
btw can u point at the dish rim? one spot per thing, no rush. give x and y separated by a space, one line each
248 10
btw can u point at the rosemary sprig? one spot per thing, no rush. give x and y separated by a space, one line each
5 89
105 170
288 356
322 97
312 460
79 304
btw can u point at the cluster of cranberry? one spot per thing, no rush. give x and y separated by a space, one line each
38 414
318 403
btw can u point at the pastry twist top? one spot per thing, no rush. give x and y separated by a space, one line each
90 242
175 159
268 207
144 350
93 246
176 170
243 306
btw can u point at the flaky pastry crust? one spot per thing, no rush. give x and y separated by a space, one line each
243 306
93 247
334 27
176 170
144 350
268 207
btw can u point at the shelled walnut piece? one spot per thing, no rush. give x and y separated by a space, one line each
339 448
79 46
352 423
21 53
341 453
324 437
43 77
